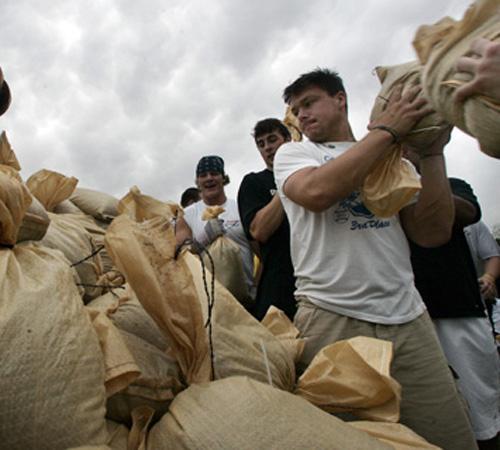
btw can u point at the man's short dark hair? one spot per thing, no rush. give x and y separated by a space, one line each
325 79
190 195
269 126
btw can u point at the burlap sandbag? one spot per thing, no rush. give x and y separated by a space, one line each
173 292
67 207
120 366
225 255
438 47
142 207
97 204
117 438
79 248
52 392
292 123
7 155
240 413
15 199
35 222
426 130
391 185
353 376
396 435
50 187
158 383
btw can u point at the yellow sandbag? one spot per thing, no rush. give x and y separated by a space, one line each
173 291
225 255
120 366
159 381
97 204
52 392
240 413
396 435
438 47
391 185
353 376
79 248
426 130
50 187
7 155
15 199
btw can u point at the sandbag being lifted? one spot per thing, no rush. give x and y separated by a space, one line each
438 47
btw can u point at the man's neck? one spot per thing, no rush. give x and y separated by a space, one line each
212 201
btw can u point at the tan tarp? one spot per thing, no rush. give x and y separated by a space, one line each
391 185
438 47
353 376
7 155
97 204
225 255
240 413
52 392
77 245
51 188
15 199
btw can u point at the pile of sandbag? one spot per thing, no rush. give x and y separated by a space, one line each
438 47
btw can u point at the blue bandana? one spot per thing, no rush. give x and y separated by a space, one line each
210 164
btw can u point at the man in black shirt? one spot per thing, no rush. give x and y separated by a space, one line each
265 223
446 278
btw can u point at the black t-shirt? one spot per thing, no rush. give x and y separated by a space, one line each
445 276
277 283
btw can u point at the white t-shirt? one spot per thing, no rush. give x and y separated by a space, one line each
482 244
347 260
233 228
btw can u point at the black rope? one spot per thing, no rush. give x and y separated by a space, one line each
95 252
108 286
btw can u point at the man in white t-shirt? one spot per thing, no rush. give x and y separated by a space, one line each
210 181
353 269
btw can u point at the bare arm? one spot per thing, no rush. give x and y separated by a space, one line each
267 220
487 280
429 222
318 188
182 231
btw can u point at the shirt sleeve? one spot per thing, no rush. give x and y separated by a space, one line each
291 158
464 190
251 199
487 246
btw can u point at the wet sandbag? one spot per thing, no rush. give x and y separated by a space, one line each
240 413
438 47
51 188
79 248
52 392
156 386
97 204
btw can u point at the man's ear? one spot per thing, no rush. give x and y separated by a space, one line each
342 99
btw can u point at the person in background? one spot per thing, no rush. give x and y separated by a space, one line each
189 196
5 97
447 280
353 269
210 181
265 223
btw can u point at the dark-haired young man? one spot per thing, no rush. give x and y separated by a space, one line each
265 223
353 269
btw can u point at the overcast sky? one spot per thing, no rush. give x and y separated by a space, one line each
123 93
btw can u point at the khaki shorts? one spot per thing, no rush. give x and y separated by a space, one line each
430 403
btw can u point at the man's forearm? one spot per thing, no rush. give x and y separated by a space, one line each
267 220
429 221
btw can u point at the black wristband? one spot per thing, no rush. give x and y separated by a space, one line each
391 131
